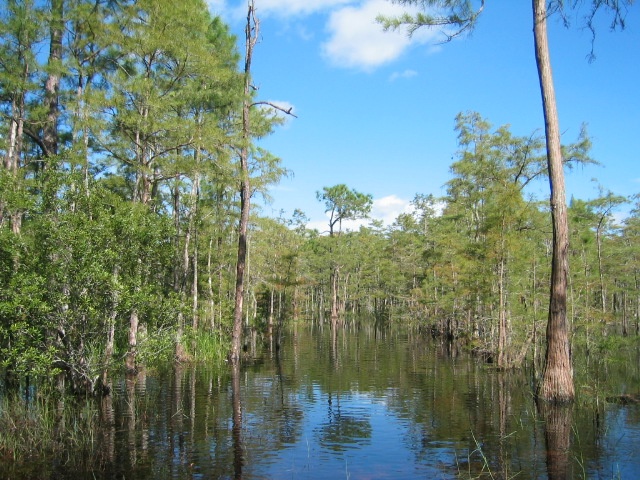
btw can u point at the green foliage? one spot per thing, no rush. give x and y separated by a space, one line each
157 348
60 286
136 212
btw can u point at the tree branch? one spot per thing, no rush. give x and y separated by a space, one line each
460 15
287 111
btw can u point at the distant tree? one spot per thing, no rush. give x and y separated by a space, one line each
631 267
342 203
603 208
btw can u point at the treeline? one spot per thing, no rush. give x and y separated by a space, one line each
120 131
121 135
473 265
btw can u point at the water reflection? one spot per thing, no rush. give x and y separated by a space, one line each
557 421
107 420
238 448
344 430
356 403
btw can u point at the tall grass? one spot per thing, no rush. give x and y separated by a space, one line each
43 425
158 350
206 347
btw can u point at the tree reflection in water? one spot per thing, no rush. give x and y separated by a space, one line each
238 448
557 434
384 402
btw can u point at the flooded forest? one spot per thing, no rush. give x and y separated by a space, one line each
152 325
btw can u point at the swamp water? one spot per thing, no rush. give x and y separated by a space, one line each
356 404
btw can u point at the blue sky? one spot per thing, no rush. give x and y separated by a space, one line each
376 109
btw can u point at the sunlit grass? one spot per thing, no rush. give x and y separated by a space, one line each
206 347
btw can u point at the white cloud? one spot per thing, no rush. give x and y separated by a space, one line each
388 208
358 41
321 225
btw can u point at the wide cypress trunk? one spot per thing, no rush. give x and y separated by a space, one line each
557 378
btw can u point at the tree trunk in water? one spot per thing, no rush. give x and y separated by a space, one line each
557 377
240 269
251 35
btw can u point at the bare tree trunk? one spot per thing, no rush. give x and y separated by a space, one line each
130 361
603 297
212 306
625 319
192 224
52 84
183 274
111 329
13 153
180 353
271 308
194 288
251 36
334 295
502 318
536 363
557 377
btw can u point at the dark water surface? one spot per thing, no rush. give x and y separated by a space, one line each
360 404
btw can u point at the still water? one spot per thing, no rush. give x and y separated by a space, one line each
360 404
